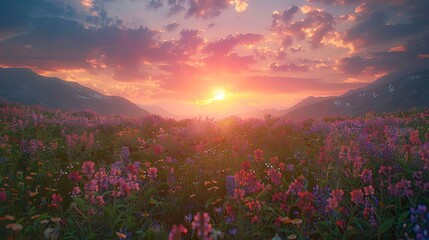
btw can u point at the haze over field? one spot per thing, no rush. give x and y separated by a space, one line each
217 57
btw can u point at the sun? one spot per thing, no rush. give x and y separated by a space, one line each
219 95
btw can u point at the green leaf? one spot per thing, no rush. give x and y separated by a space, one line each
404 216
385 225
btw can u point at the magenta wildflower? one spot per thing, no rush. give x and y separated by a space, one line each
366 176
56 200
74 176
202 225
357 196
306 203
3 196
258 155
152 173
239 194
369 191
335 199
176 231
88 168
276 177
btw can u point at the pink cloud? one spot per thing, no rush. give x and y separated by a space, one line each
316 24
289 67
226 45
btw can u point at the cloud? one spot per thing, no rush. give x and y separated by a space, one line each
224 46
289 67
393 59
285 85
231 62
155 4
316 24
52 43
171 27
380 22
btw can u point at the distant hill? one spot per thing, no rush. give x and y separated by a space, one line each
156 110
25 86
399 91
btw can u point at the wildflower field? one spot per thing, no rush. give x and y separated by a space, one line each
80 175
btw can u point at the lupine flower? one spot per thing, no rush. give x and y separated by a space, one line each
88 168
230 185
419 217
176 232
357 196
202 225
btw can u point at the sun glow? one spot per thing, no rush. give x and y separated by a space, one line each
219 95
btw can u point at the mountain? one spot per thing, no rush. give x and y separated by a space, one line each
157 110
307 101
25 86
399 91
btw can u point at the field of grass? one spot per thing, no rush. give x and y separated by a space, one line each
86 176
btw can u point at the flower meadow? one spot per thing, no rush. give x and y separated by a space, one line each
81 175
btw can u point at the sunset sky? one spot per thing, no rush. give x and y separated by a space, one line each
215 56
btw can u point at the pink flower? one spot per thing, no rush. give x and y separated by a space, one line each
152 172
369 191
258 155
202 225
254 205
75 192
296 186
3 196
239 194
88 168
357 196
157 149
335 199
56 200
276 177
305 203
245 165
366 176
176 231
74 176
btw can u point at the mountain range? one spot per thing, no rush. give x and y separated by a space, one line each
24 86
398 91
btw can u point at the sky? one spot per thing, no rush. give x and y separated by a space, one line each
206 57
